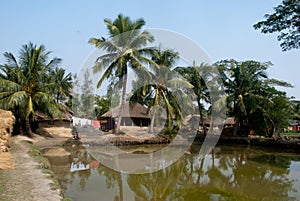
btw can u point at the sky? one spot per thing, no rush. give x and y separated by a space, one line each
223 29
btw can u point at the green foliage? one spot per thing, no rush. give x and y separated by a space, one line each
87 96
102 105
286 21
279 112
113 93
160 90
26 84
63 84
198 77
125 48
83 99
296 109
290 134
66 199
44 163
252 98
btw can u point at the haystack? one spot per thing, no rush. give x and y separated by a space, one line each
7 120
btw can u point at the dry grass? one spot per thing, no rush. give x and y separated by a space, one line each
7 161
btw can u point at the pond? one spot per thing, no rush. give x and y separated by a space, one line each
230 172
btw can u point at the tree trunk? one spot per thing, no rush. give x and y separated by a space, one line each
123 99
237 122
152 120
213 158
18 128
28 128
201 122
120 181
276 133
200 171
57 97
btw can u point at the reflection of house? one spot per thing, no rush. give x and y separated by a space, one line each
94 164
63 119
132 115
79 166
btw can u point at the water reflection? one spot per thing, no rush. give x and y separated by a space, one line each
227 173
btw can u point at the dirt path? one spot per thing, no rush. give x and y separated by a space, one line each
25 182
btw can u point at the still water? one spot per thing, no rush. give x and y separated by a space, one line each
228 173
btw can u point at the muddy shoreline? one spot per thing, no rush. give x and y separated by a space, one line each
282 143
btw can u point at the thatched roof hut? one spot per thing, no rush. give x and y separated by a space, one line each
63 119
134 111
134 114
64 116
195 119
229 121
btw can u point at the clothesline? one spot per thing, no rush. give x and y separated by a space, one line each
85 122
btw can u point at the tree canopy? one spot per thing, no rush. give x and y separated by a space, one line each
125 49
26 84
286 21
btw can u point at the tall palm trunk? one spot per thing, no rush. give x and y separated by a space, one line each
212 158
237 120
19 127
28 128
120 183
200 171
57 97
237 124
201 122
117 129
152 120
275 132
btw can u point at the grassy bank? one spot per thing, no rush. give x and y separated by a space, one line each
44 165
1 179
290 134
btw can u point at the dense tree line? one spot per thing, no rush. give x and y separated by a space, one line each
34 82
252 97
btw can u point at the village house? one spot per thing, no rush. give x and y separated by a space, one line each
132 115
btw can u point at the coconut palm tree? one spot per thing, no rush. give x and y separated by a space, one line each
198 77
159 90
249 91
243 83
63 83
23 83
125 48
161 95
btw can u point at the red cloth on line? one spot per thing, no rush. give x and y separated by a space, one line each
96 123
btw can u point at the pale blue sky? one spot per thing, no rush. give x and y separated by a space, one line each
224 29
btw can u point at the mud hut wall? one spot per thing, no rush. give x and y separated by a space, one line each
131 121
54 123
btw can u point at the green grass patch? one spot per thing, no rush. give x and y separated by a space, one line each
1 179
66 199
55 185
290 134
44 165
36 153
